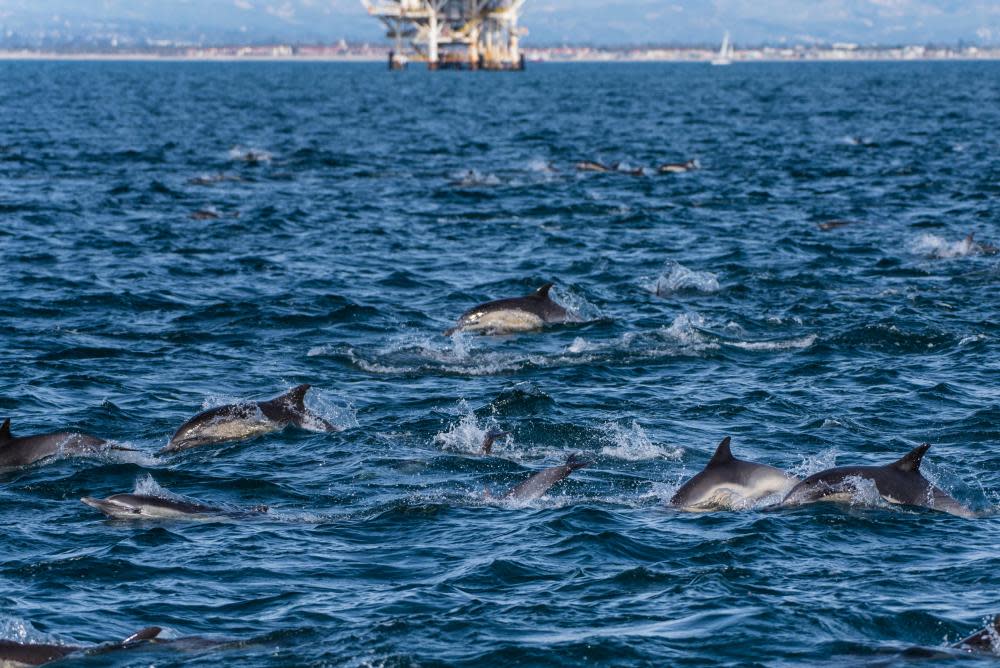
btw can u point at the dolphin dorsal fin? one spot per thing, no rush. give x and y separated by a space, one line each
295 397
910 463
147 633
543 292
5 431
722 454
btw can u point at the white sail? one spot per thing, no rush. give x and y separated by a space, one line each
725 56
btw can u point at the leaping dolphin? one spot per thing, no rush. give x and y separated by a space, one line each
727 482
145 506
26 450
537 485
15 654
899 483
516 314
237 422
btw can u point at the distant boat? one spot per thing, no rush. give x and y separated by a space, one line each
725 56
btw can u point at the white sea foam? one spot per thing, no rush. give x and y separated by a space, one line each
467 434
473 177
787 344
246 154
676 278
541 166
630 442
932 245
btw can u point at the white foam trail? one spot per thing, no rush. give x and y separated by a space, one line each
801 342
678 278
630 442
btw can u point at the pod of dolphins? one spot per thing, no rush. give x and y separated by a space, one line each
724 483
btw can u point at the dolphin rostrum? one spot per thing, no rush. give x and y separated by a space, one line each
986 639
491 435
899 483
237 422
727 482
537 485
516 314
16 654
25 450
146 506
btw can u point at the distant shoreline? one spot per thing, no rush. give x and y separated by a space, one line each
534 56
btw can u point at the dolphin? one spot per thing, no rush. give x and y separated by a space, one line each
537 485
237 422
26 450
899 483
678 167
591 166
833 224
145 506
727 482
14 654
491 435
986 639
516 314
970 245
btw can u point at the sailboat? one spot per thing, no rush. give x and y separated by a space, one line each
725 56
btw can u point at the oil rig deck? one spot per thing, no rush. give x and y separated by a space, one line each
452 34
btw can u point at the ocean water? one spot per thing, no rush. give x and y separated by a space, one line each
349 215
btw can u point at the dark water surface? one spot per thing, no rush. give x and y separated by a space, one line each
379 208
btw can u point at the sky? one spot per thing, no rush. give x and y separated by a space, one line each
599 22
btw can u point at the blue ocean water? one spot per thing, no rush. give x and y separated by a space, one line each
181 235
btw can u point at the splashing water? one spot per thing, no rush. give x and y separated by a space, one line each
677 278
934 246
630 442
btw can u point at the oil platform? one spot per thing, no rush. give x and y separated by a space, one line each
452 34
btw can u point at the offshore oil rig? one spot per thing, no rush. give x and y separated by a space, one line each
452 34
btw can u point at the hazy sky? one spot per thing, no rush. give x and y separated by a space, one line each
548 21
